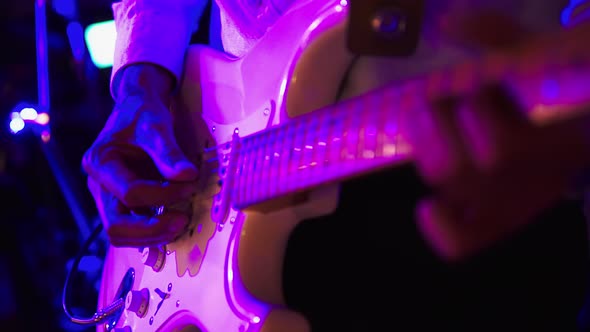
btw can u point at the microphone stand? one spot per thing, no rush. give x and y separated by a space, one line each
50 149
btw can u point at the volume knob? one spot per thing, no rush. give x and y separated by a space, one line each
153 257
138 301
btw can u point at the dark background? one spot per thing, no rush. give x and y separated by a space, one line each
40 233
46 210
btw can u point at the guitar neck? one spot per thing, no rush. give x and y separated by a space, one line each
369 132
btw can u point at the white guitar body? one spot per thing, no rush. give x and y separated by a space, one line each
225 275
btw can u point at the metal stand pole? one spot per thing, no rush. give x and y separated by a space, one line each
50 149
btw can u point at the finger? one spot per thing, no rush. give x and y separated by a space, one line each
108 167
457 231
156 136
422 135
447 231
490 120
125 229
498 103
440 152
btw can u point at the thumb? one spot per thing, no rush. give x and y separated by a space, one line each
167 156
433 225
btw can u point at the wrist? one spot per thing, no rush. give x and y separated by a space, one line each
146 80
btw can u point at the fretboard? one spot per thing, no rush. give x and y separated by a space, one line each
369 132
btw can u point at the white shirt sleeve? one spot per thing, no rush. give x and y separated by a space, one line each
154 31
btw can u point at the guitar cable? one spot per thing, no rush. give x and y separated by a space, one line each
101 314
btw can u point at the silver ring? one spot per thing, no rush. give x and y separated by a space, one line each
158 210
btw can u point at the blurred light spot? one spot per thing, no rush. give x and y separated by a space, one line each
76 38
549 89
100 39
16 125
45 136
567 14
28 113
42 118
14 115
90 264
230 275
66 8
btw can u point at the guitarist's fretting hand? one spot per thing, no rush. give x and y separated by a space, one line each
135 163
491 169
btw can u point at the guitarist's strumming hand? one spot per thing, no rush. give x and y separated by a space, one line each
135 163
490 168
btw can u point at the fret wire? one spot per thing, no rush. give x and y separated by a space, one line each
251 165
273 174
248 168
409 102
261 172
263 168
264 179
239 176
258 165
391 130
268 164
319 147
357 109
255 167
244 169
336 139
364 105
369 132
324 135
346 133
310 146
385 109
329 144
287 157
298 151
282 159
304 132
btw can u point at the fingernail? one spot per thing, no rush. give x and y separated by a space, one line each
184 165
188 170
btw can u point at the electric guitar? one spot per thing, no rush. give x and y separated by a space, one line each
263 170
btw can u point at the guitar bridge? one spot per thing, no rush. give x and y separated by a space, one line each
221 202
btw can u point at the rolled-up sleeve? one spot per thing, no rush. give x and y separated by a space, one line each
153 31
